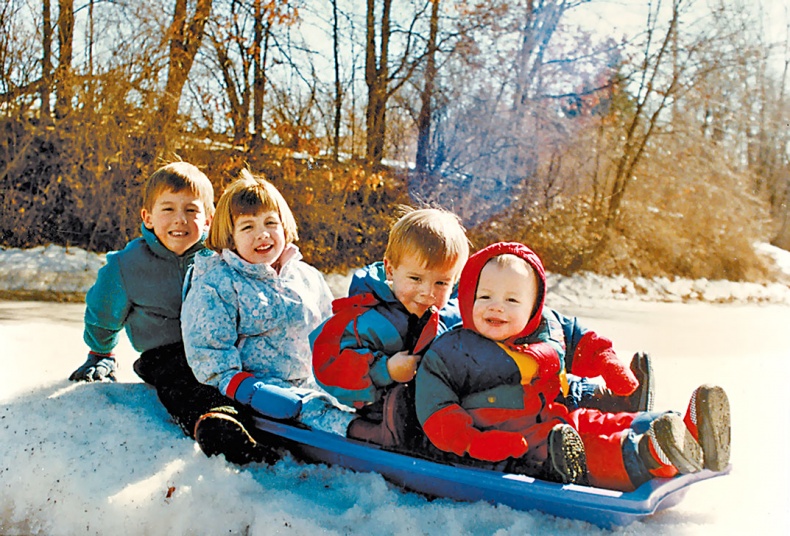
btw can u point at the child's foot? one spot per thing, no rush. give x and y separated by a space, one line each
708 420
219 433
669 443
640 400
567 461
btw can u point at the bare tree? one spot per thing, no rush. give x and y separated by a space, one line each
63 76
382 80
185 35
426 95
46 62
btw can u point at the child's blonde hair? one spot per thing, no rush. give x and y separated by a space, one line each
248 195
177 177
509 260
435 236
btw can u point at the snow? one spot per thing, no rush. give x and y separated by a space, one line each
105 458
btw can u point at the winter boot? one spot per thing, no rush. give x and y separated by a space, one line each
218 432
370 432
669 448
708 420
397 422
640 400
567 461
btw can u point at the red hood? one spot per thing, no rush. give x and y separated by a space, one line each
467 285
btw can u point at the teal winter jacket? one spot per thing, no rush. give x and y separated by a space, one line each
139 290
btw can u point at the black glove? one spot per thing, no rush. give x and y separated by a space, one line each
98 368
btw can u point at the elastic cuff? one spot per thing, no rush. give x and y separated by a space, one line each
234 383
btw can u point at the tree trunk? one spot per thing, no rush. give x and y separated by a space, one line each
376 75
426 97
338 92
46 63
63 80
185 37
258 71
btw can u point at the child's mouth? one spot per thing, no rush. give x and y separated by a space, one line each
263 249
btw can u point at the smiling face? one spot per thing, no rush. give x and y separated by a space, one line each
504 301
418 287
259 238
178 219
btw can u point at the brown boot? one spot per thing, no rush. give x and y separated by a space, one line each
370 432
217 433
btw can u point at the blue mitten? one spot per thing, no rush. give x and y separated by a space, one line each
97 368
269 400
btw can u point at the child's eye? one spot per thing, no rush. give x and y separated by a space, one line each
482 297
443 283
415 278
513 300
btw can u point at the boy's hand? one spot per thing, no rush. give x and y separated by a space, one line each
403 366
97 368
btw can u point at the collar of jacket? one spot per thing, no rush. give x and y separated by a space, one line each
260 270
372 279
160 250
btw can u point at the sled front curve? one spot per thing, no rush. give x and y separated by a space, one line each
603 507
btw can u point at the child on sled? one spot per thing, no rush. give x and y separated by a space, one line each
487 390
367 353
246 320
139 289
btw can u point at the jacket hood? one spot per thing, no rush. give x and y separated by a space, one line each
470 276
372 279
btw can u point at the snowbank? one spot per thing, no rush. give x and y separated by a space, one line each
73 270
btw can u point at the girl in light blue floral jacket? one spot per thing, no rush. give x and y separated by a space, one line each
246 319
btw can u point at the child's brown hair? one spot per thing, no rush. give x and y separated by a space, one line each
248 195
177 177
435 236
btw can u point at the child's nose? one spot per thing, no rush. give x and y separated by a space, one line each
496 305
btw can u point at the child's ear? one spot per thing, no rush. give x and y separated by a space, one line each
146 216
208 223
388 269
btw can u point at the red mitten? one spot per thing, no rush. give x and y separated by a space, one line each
497 445
595 357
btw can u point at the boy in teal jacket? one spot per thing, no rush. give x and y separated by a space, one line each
139 290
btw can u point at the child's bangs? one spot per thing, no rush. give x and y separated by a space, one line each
434 252
252 201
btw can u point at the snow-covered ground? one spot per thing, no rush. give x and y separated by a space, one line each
105 459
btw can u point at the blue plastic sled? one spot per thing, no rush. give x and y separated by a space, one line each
603 507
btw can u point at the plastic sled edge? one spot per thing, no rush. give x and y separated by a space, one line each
602 507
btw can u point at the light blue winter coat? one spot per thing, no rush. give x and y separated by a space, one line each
243 317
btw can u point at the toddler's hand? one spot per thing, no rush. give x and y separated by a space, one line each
403 366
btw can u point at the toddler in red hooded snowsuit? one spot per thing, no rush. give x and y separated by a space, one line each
487 390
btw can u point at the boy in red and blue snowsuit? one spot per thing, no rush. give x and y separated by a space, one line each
488 390
368 351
